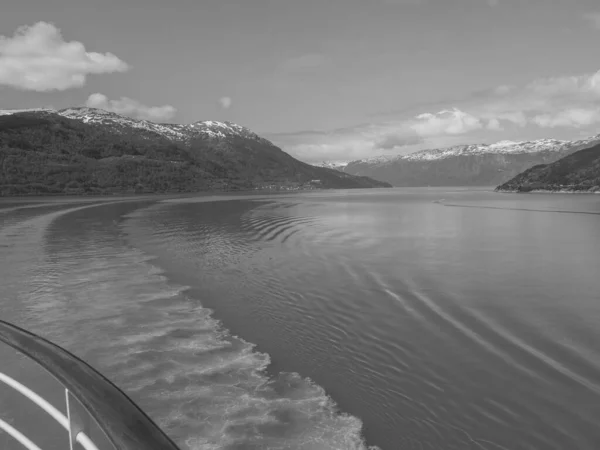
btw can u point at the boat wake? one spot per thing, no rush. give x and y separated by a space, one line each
89 291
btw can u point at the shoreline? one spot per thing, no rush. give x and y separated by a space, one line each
544 191
31 198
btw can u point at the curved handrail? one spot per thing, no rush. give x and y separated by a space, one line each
20 437
125 425
63 420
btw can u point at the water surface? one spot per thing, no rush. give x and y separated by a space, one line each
415 318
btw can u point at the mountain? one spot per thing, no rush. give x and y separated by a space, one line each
577 172
466 165
92 151
332 165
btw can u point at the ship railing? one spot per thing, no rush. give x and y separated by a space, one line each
65 421
88 394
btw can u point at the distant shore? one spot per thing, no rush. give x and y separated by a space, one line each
547 191
60 197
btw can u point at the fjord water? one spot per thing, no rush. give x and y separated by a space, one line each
410 318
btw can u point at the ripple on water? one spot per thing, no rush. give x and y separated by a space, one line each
205 387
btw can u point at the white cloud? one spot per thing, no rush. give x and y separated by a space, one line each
37 58
132 108
575 118
564 101
494 124
502 112
445 122
426 130
568 101
593 18
225 102
492 3
543 97
567 85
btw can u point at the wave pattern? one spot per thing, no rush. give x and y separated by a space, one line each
105 301
453 328
440 328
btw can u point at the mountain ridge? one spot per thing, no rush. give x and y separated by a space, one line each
465 165
182 132
87 150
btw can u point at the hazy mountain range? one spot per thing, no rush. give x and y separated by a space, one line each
92 151
464 165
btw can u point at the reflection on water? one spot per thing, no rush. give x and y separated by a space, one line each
442 319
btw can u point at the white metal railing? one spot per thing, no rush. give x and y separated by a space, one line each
65 421
20 437
89 395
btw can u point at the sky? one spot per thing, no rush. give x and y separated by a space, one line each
326 80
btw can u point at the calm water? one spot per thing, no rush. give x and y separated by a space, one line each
401 318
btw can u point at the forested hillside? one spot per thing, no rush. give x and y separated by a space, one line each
46 153
578 172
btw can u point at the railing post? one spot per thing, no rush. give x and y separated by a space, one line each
79 419
63 420
69 419
123 423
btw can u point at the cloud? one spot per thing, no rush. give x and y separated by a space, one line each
445 122
575 118
131 108
492 3
543 97
593 18
494 124
500 112
566 85
37 58
225 102
402 136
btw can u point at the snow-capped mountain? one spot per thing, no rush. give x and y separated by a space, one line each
6 112
95 151
176 132
502 147
464 165
332 165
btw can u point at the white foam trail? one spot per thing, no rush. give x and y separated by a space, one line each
206 388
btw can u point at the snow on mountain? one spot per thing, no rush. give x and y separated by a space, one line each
142 156
215 129
502 147
8 112
211 129
466 165
336 165
119 122
178 132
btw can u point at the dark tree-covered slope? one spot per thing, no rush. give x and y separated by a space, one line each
577 172
82 150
